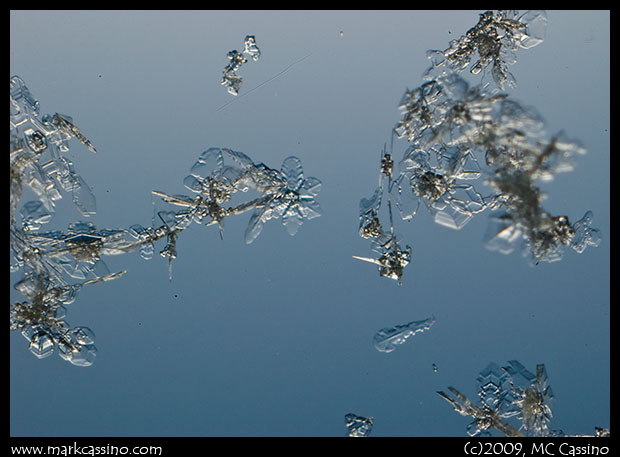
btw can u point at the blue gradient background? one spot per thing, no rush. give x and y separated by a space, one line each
275 338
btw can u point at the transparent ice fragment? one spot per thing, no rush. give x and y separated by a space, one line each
493 389
484 417
293 172
536 404
370 227
407 201
386 339
209 163
535 22
358 426
503 234
146 245
22 100
34 214
83 335
463 202
232 83
519 375
293 200
250 47
236 60
77 354
231 79
585 235
83 197
448 217
65 125
35 140
41 344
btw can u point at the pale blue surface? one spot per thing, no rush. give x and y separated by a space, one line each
275 338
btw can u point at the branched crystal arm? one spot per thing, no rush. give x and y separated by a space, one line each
484 418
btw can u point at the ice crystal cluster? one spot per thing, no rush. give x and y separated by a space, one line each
471 148
231 80
50 262
511 400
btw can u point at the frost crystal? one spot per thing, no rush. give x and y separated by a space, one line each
250 48
386 339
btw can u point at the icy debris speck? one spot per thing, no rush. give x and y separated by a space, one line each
358 426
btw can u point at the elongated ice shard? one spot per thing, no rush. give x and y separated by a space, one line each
388 338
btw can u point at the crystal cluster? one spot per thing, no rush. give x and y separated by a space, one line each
40 169
51 261
231 79
459 133
512 401
219 173
493 40
393 258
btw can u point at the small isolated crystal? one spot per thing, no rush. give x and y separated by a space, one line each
231 79
386 339
358 426
584 234
602 432
232 83
249 47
